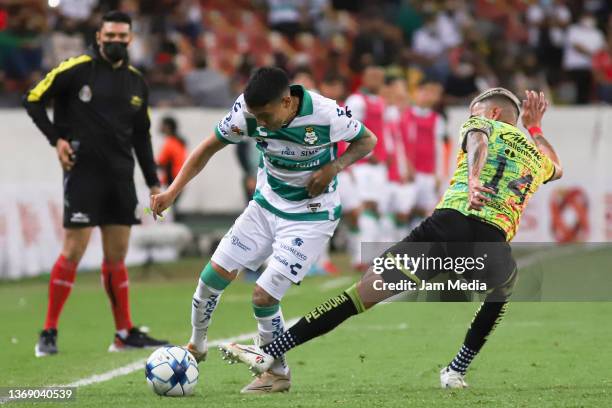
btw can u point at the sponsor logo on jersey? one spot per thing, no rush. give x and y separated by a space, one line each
79 217
313 207
136 101
236 242
85 93
297 241
310 137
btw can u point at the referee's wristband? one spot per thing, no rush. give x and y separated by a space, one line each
535 130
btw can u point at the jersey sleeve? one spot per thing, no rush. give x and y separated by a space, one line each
343 126
548 169
355 104
232 128
475 123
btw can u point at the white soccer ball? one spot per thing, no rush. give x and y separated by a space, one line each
172 371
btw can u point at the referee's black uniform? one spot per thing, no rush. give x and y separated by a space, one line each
103 112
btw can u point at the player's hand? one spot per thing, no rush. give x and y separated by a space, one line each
477 195
154 190
533 109
321 179
64 154
160 202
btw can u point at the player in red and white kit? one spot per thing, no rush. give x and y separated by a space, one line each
423 134
370 173
400 192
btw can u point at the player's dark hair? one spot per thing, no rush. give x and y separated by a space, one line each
267 84
116 16
170 122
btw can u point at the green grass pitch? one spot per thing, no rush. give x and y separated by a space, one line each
541 355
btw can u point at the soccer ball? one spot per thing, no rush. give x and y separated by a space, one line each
172 371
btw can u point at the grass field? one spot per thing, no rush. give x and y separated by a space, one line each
543 354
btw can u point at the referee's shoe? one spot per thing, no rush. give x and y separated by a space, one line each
135 339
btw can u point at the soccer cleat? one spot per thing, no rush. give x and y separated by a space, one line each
255 358
198 355
47 343
268 382
450 378
136 339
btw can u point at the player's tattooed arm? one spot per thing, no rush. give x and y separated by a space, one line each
534 108
193 165
477 146
356 150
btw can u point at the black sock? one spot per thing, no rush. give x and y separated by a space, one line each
487 317
319 321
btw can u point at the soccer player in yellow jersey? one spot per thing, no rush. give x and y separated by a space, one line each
498 170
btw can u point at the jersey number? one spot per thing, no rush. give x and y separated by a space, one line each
519 186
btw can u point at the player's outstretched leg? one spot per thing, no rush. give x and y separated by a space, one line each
487 317
319 321
213 281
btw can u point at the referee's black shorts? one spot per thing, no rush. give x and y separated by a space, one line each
92 198
449 233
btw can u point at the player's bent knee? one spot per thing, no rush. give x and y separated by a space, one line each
261 298
216 277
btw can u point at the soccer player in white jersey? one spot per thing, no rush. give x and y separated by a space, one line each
295 208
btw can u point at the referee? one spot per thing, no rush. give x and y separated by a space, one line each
100 115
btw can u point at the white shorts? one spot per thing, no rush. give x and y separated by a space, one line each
371 180
401 198
292 246
349 194
426 193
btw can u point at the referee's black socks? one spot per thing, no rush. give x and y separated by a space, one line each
319 321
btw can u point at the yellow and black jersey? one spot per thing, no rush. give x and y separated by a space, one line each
103 109
514 169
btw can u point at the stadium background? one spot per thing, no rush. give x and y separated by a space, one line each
197 55
544 354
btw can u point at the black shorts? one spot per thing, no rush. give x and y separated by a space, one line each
448 233
93 199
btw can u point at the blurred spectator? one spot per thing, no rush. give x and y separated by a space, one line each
547 29
303 76
286 16
173 153
206 86
375 44
77 10
21 46
429 49
65 42
583 40
334 87
529 76
602 72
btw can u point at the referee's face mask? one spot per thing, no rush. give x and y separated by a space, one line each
113 39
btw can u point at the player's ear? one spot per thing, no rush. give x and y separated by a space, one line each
98 38
286 101
495 112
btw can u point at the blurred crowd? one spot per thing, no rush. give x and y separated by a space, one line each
201 52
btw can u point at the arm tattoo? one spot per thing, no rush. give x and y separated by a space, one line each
477 150
356 150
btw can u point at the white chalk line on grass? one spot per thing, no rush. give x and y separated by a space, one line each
139 364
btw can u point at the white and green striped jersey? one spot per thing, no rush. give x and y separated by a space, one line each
290 155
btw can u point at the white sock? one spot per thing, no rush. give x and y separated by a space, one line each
123 333
269 329
204 302
353 246
369 226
